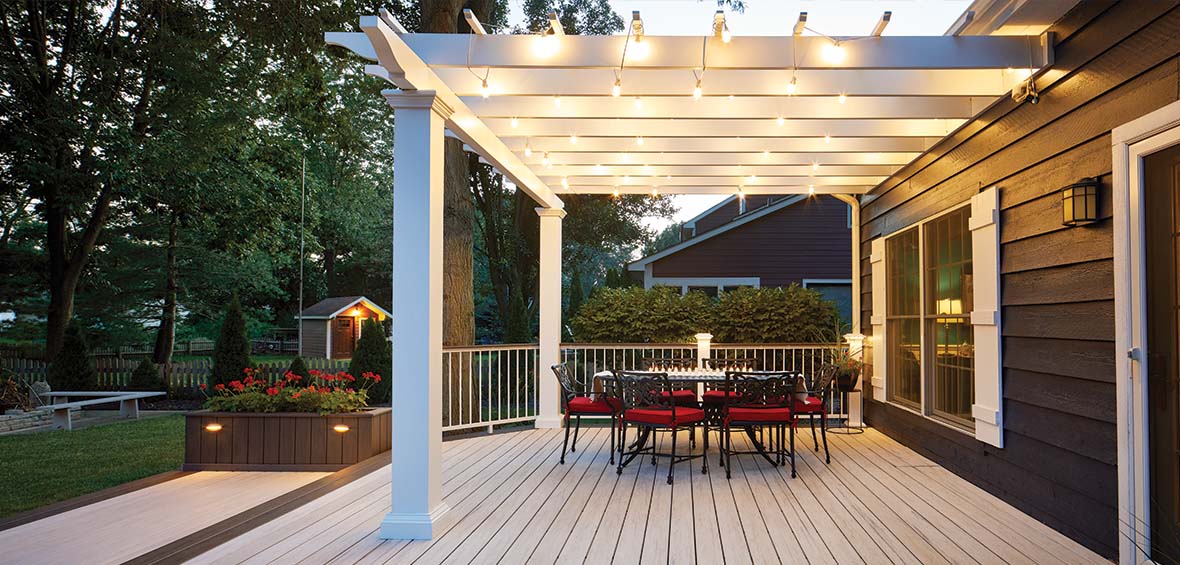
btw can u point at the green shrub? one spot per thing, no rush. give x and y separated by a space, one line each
146 377
373 355
72 368
299 367
772 315
635 315
231 353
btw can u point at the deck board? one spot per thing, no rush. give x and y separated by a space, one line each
878 502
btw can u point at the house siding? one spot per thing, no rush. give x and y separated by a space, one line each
730 211
808 239
315 338
1114 62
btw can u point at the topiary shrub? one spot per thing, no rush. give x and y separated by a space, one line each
72 368
146 377
772 315
636 315
231 352
299 367
373 355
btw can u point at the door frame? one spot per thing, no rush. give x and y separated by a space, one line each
1129 144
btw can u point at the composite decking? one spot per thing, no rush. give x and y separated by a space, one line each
510 502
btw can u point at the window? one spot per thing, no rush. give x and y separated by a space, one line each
929 333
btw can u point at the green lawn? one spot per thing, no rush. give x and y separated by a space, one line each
41 468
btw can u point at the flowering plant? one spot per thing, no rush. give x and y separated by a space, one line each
326 393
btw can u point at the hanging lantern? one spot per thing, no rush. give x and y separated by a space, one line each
1079 203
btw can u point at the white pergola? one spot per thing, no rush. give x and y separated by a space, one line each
637 114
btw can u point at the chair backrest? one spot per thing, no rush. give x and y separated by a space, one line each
761 389
569 387
667 363
643 390
737 364
821 382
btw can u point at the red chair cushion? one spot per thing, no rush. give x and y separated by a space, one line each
777 414
680 396
587 405
717 396
663 417
812 405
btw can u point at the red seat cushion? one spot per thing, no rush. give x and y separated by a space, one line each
680 396
812 405
777 414
717 396
587 405
663 417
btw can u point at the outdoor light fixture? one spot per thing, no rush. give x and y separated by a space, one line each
638 102
833 52
696 90
515 122
617 89
827 139
639 48
811 189
615 193
528 151
639 140
340 428
545 160
1079 202
793 86
720 28
213 427
565 182
484 89
780 120
842 98
557 100
573 139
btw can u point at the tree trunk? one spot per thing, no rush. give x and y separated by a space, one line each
66 264
166 334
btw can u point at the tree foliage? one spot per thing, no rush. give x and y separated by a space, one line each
791 314
72 367
146 377
373 354
231 352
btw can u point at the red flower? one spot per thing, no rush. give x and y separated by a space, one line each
218 387
237 385
272 391
297 395
204 386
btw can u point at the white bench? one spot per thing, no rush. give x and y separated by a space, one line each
128 404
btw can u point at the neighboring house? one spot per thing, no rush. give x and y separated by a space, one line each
760 241
332 326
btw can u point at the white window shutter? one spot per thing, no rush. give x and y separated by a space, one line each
877 267
988 409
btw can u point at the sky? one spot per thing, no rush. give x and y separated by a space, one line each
777 17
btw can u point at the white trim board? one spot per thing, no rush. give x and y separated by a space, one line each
1129 144
367 303
684 283
639 264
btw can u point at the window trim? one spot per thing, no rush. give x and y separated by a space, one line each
683 283
923 410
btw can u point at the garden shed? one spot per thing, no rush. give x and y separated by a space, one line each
332 326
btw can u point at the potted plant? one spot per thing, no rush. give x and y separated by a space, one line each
848 369
321 423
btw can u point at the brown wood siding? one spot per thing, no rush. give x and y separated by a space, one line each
315 340
1114 62
730 211
808 239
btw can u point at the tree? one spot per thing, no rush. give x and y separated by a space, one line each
577 294
299 367
231 352
373 355
72 368
146 377
667 237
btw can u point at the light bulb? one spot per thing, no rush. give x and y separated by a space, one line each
833 52
639 140
545 45
766 154
484 90
741 195
615 193
557 100
696 90
793 86
545 160
827 139
811 189
598 168
815 166
725 35
515 122
638 102
780 120
626 157
626 179
528 151
731 98
565 182
655 192
617 89
639 49
573 140
842 98
753 178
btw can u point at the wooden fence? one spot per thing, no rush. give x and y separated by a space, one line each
114 372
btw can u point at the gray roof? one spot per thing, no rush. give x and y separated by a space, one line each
329 307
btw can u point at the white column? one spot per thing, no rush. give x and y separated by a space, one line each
417 501
704 348
549 307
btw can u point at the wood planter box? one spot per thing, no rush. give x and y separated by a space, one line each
283 441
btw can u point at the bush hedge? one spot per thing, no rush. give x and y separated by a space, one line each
72 368
231 352
146 377
746 315
374 355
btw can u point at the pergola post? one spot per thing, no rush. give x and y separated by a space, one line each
417 501
549 307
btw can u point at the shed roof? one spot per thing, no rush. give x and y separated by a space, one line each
333 306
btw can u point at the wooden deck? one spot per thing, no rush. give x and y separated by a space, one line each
126 526
878 502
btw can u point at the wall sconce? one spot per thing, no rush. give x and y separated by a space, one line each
213 427
340 428
1079 203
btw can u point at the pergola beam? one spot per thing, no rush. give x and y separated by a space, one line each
718 189
724 129
718 145
645 169
713 107
733 181
747 52
566 158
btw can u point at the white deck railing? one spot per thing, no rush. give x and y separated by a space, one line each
489 385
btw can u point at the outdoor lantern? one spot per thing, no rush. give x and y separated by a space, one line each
1079 203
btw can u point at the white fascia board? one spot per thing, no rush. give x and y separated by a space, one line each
693 222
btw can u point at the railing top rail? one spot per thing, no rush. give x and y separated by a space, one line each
715 345
491 347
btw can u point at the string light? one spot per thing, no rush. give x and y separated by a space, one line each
815 165
639 140
484 89
616 192
793 86
565 182
626 157
811 189
827 138
725 35
617 89
545 45
573 139
696 90
515 122
766 154
842 98
731 98
833 52
528 150
557 100
638 102
545 161
753 179
741 194
780 120
598 168
655 192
